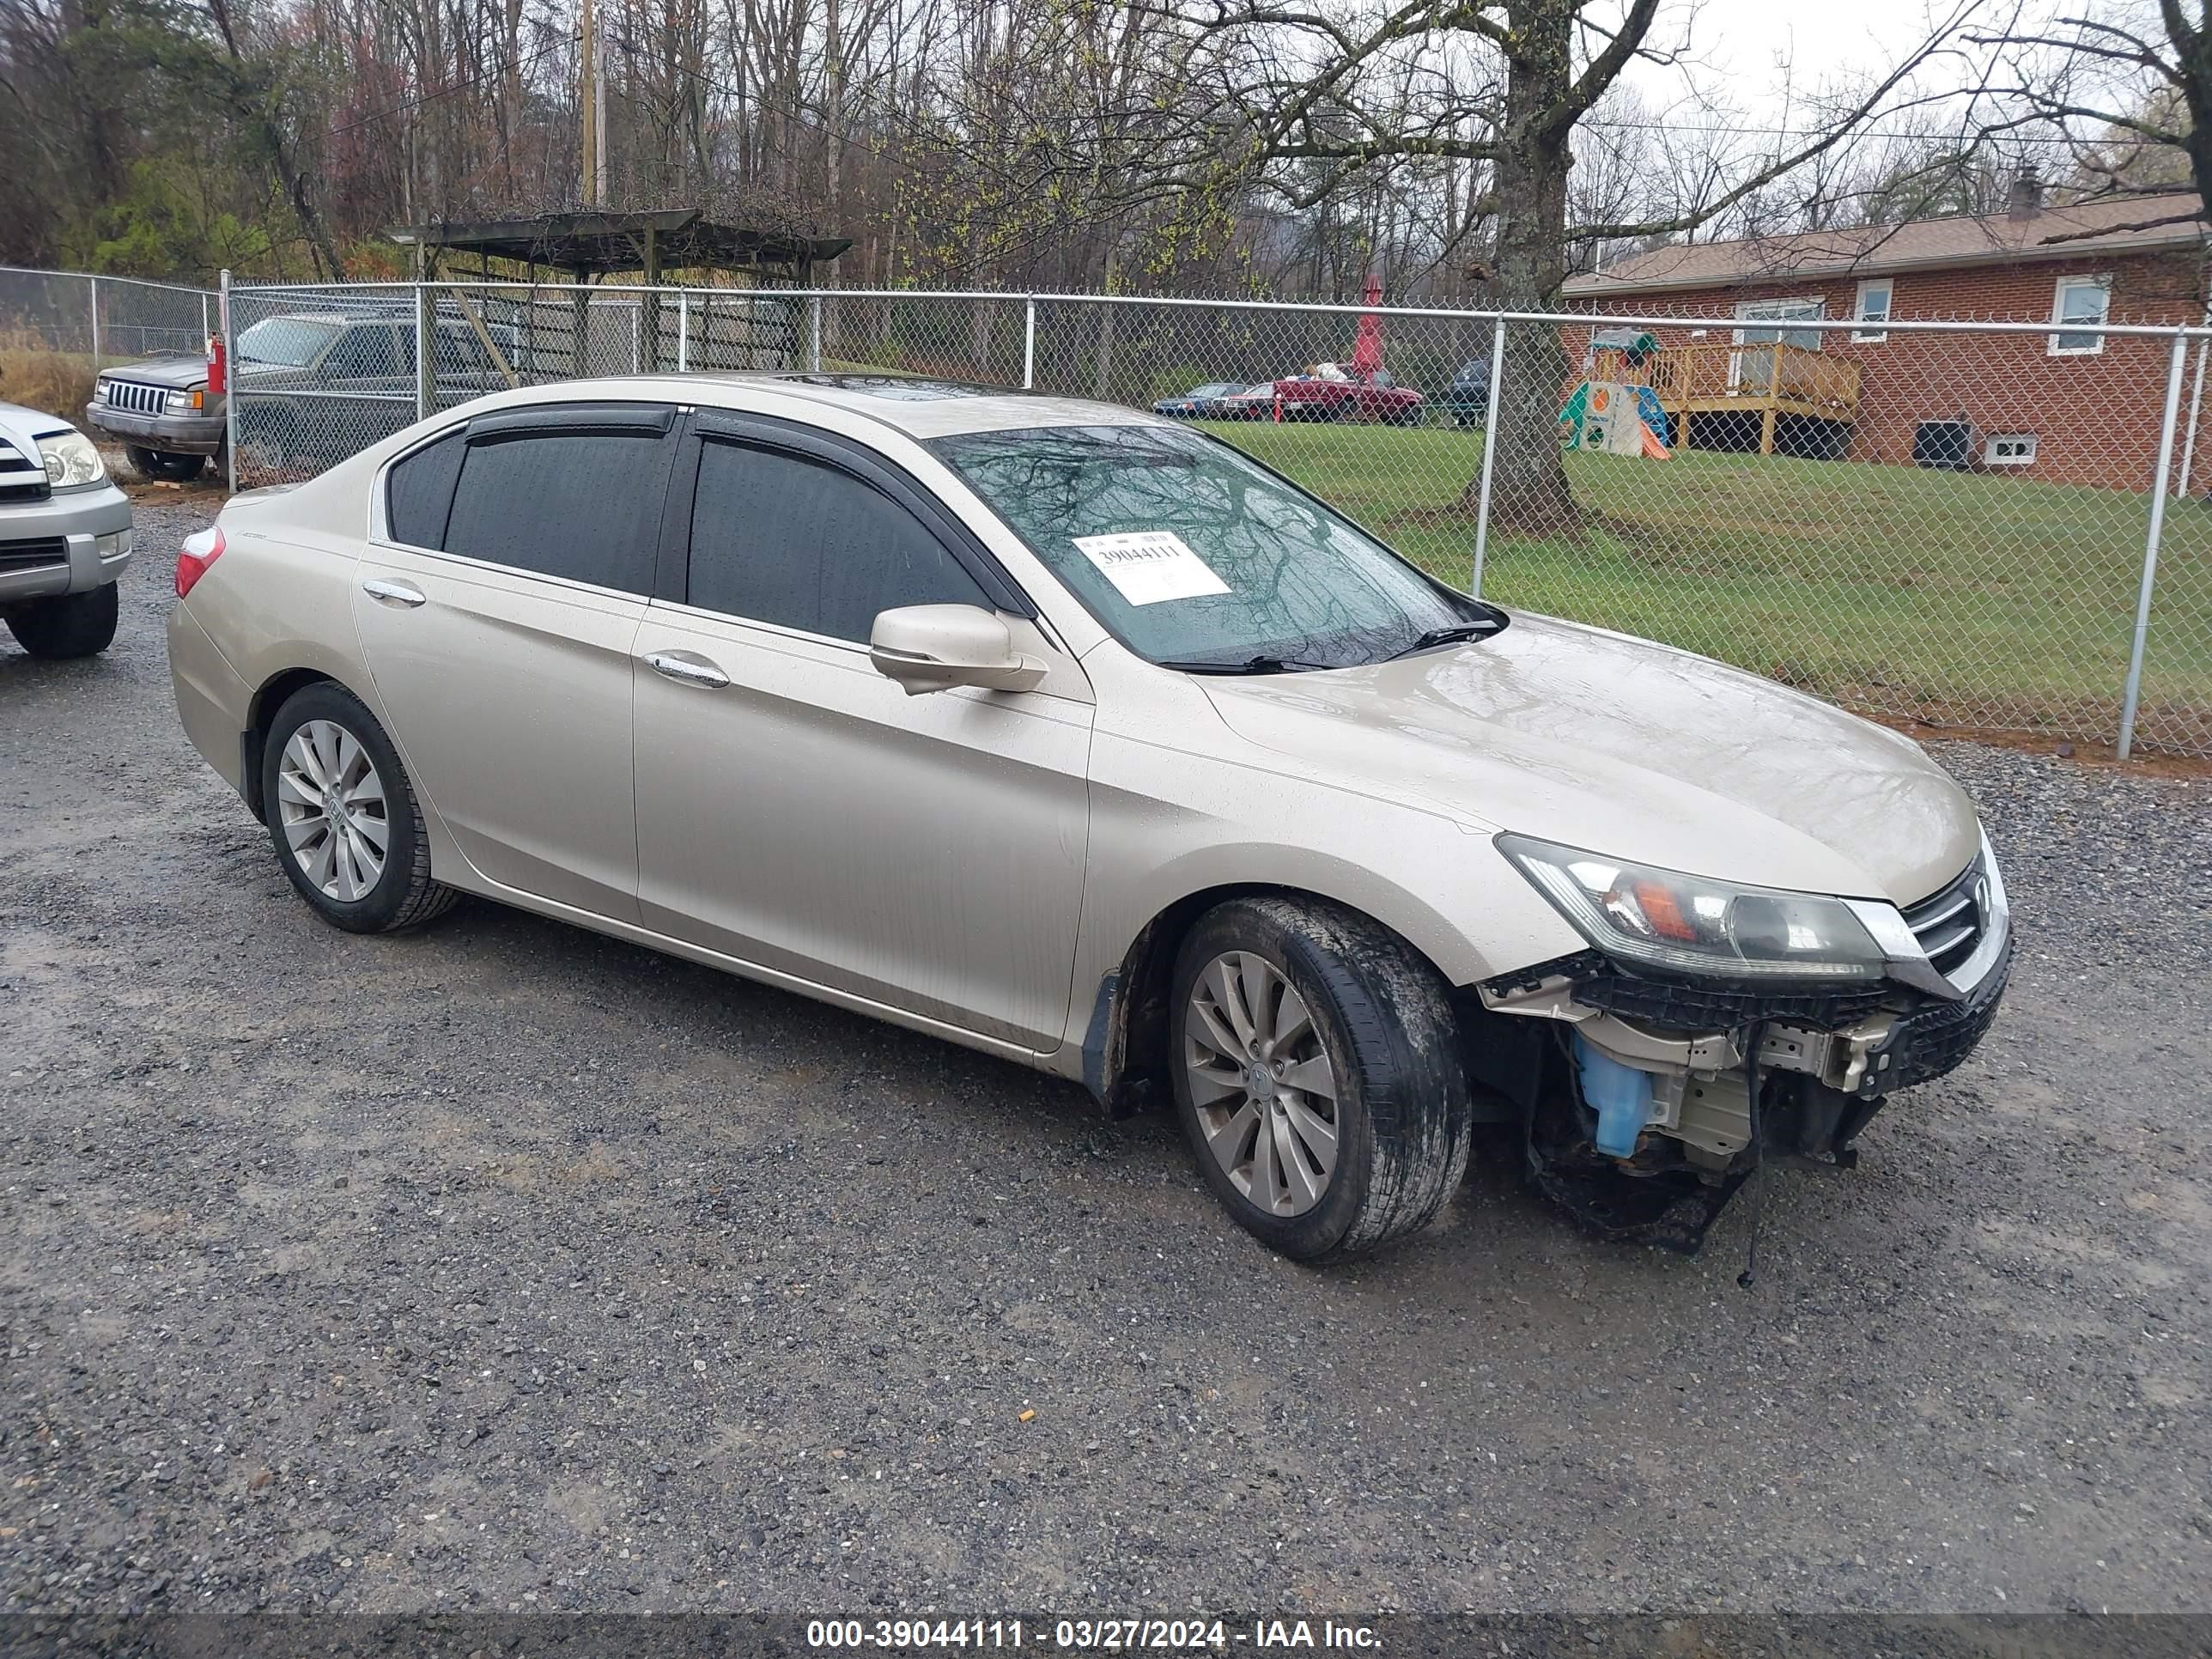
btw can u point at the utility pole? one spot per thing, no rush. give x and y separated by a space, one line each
588 100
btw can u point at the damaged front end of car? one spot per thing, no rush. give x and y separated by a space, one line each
1711 1028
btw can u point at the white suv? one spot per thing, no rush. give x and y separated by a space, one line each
64 537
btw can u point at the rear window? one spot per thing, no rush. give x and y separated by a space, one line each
288 342
585 506
419 491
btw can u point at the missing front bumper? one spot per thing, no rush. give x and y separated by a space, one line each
1823 1065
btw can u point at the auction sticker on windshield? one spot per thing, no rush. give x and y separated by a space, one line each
1148 566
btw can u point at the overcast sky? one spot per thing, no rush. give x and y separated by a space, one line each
1749 42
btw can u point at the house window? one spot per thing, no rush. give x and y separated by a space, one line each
1756 367
1873 308
2009 449
1774 311
2080 300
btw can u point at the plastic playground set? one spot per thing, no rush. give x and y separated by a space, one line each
1615 415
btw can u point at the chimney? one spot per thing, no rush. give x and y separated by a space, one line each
2024 200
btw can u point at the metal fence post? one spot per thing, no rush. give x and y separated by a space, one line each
92 283
1489 453
1028 343
814 334
2133 694
205 329
2196 410
424 335
682 332
229 385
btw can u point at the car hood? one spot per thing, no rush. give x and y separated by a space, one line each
22 426
182 372
1630 748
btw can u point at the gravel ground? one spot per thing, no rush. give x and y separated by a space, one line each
505 1266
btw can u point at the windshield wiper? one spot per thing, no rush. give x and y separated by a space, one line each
1250 665
1453 636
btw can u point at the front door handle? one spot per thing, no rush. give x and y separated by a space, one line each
391 592
687 668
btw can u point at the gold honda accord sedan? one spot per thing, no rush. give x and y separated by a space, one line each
1072 734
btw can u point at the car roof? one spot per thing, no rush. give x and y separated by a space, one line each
919 406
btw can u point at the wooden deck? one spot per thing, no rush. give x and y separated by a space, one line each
1769 381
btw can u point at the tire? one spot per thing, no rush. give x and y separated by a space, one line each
66 625
165 465
332 870
1377 1017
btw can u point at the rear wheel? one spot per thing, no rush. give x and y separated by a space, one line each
66 624
343 817
1317 1072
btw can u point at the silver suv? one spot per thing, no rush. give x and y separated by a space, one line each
64 537
333 382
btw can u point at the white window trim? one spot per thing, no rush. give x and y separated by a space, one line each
1873 336
1776 313
2057 315
1990 457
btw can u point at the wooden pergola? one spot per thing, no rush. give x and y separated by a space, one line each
653 247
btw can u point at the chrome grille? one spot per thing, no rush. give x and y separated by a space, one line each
22 478
135 396
1948 923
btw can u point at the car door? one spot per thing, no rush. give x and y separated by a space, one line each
799 811
497 612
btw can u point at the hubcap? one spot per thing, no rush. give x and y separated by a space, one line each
1262 1086
330 801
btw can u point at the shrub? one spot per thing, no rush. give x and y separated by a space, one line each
54 382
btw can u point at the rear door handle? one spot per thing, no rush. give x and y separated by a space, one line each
400 593
687 668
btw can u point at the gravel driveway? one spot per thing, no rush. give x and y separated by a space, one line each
505 1266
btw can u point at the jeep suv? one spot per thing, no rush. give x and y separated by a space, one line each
336 382
64 537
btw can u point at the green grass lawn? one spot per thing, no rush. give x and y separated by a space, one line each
1966 598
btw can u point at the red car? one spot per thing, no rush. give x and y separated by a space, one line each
1330 391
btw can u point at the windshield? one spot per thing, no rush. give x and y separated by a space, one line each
1191 554
292 342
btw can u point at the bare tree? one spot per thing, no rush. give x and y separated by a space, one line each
1505 86
2130 89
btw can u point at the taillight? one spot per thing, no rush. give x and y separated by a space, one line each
201 548
217 364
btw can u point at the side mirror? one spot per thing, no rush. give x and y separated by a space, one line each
933 647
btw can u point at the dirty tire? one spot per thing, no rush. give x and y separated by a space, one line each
1384 1018
403 896
67 624
164 465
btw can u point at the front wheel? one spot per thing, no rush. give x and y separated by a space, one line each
164 466
344 817
1317 1075
66 624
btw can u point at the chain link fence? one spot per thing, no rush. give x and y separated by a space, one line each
104 319
1952 524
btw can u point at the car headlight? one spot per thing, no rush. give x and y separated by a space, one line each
1694 925
69 460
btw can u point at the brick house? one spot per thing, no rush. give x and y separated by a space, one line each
2069 406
